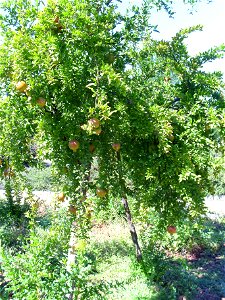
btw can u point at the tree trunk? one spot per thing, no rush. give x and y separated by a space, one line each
132 230
71 258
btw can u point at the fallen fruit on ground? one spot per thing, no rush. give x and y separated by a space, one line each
171 229
74 145
101 192
116 146
21 86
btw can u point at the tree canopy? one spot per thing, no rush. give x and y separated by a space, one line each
117 112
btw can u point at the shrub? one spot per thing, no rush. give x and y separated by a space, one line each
39 179
13 223
39 271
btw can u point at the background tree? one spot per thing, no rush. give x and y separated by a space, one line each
117 113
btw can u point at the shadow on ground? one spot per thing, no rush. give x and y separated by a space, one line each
197 275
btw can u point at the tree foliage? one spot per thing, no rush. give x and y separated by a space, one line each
86 61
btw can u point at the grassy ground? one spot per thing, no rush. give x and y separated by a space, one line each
197 273
116 263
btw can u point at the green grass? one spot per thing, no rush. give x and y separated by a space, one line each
167 275
114 254
39 179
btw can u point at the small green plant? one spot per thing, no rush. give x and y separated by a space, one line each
13 224
39 270
39 179
191 232
165 255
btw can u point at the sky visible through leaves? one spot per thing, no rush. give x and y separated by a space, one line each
211 16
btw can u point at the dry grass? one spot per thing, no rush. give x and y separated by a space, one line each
109 232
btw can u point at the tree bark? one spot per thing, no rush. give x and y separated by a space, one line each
133 231
71 258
